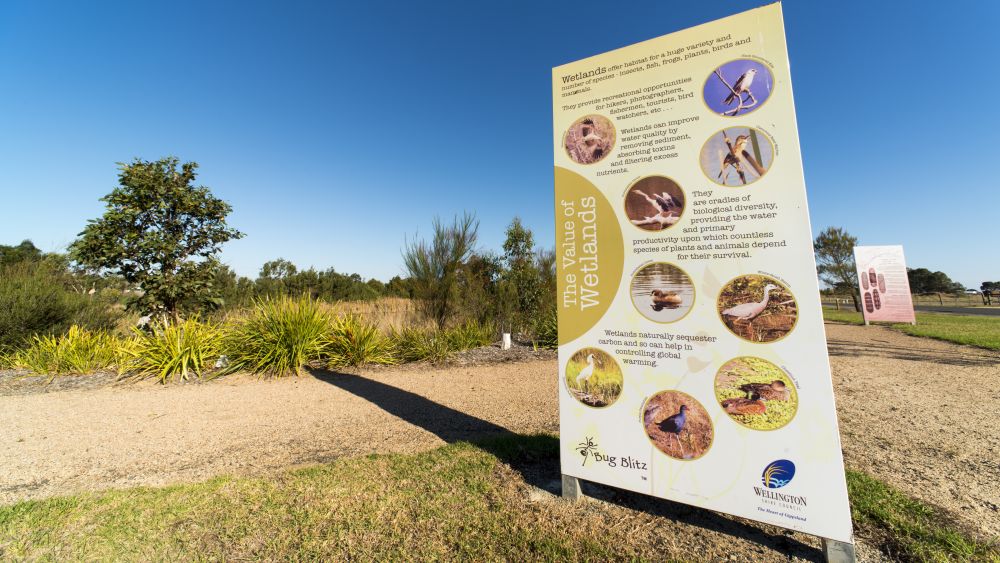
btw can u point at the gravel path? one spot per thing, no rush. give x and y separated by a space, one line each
920 414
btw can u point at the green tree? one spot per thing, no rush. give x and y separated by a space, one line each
159 231
434 266
835 261
24 252
523 290
923 280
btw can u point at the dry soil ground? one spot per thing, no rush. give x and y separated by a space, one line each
917 413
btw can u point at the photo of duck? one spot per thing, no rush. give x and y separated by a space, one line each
662 292
756 393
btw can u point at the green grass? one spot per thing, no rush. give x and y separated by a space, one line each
909 529
353 342
460 501
181 351
971 330
279 337
78 351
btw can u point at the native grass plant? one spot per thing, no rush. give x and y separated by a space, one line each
414 344
353 341
175 351
278 337
547 331
78 351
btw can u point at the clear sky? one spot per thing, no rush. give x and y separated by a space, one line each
337 129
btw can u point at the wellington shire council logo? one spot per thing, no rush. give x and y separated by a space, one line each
778 473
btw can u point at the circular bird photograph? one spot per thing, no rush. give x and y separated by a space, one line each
757 308
654 203
756 393
662 292
590 139
678 425
593 377
736 156
738 87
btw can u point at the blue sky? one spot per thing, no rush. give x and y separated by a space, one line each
336 130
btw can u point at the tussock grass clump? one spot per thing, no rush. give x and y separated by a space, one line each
354 341
175 351
78 351
547 331
470 334
278 337
414 345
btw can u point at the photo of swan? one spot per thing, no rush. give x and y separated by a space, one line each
736 156
593 377
662 292
654 203
756 393
589 139
757 308
678 425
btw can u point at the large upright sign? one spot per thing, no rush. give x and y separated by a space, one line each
692 355
885 289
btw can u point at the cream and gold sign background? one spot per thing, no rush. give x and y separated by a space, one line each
701 302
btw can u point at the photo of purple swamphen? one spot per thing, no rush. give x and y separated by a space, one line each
678 425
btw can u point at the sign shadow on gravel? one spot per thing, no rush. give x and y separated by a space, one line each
536 459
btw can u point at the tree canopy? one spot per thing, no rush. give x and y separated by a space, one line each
923 280
161 232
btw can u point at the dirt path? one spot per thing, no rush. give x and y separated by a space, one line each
921 414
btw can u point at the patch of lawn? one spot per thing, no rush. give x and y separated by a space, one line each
981 331
971 330
460 501
909 529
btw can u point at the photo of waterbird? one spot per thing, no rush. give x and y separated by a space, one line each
738 87
757 308
593 377
662 292
654 203
678 425
736 156
590 139
756 393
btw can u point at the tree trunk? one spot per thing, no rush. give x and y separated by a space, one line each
857 304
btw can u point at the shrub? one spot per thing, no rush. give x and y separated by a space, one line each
471 334
78 351
354 341
278 337
547 331
35 300
181 350
414 345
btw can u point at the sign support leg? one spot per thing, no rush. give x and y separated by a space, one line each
571 488
835 551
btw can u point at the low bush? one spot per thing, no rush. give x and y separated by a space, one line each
77 351
471 334
354 341
278 337
547 331
414 345
175 351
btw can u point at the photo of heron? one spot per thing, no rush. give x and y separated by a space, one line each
662 292
757 308
756 393
654 203
738 87
678 425
593 377
590 139
736 156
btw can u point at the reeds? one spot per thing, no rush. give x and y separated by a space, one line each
180 351
279 337
77 351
